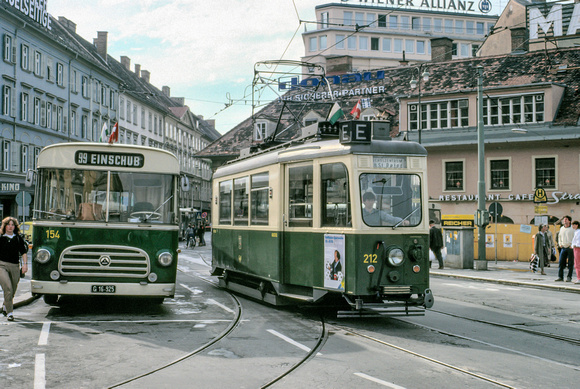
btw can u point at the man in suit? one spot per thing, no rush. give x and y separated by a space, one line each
436 242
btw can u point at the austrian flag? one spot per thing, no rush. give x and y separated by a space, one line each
114 137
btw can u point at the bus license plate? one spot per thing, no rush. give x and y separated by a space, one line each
103 288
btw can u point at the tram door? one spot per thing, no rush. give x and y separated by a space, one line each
298 239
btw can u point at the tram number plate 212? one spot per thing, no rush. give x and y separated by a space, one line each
103 288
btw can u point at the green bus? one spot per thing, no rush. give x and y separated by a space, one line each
105 221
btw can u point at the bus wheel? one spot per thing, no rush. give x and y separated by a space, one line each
50 299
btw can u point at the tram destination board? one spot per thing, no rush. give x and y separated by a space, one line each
103 289
94 158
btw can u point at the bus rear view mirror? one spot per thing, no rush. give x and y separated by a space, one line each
184 184
29 178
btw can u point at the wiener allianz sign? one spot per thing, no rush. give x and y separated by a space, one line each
555 21
553 198
479 6
346 85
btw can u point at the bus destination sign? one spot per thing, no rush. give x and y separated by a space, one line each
95 158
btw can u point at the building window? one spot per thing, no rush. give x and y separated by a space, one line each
427 24
324 20
465 50
261 131
474 49
122 107
112 99
440 115
36 112
73 82
469 28
135 114
500 174
8 48
359 18
128 106
405 23
393 22
398 46
382 21
437 25
150 122
312 44
6 154
24 107
323 42
347 16
409 46
454 49
85 87
48 115
6 100
24 158
24 59
387 45
73 123
37 64
459 26
363 43
545 171
375 44
513 110
479 28
143 117
340 42
416 24
454 175
84 127
449 26
420 47
352 42
59 74
103 94
59 119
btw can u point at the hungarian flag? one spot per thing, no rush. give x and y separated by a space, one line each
104 133
114 137
335 113
356 110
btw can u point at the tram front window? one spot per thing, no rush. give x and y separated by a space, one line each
82 195
390 199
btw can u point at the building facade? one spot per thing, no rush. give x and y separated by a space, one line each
361 35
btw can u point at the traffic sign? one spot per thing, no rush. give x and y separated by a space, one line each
23 198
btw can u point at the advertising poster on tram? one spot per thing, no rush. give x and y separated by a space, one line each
334 262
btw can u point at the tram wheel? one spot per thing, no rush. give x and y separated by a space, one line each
50 299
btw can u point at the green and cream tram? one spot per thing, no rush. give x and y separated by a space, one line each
327 216
105 221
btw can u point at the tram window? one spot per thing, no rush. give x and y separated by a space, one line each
300 196
241 201
260 198
335 201
390 199
225 211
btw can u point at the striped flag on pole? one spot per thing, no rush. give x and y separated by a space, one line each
335 113
104 133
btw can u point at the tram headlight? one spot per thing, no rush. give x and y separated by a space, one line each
396 257
165 258
42 256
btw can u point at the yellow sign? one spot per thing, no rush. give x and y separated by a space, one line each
540 196
541 209
457 217
457 220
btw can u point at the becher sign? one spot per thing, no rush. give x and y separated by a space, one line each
553 198
94 158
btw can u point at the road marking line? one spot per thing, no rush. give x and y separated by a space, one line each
43 339
39 372
378 381
211 301
291 341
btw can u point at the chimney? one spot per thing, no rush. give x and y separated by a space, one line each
519 41
101 44
211 122
441 49
166 91
69 25
138 70
404 61
126 62
145 75
179 100
338 65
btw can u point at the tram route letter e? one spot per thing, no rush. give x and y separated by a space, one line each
355 131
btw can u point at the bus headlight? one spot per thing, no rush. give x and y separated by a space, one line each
165 259
42 256
396 257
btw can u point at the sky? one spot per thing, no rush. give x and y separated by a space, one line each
204 50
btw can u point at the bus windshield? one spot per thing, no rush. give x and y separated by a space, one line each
390 199
105 196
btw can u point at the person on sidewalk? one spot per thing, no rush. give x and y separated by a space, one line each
551 249
565 237
436 242
541 247
12 247
576 247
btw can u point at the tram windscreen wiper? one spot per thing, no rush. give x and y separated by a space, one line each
406 217
146 217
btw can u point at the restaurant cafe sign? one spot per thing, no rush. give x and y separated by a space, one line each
553 198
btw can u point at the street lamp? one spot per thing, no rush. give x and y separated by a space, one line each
414 83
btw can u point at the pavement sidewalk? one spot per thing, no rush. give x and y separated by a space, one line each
513 273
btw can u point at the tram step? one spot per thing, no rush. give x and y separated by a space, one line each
301 297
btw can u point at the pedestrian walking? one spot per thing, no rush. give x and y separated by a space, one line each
565 236
12 248
436 242
541 247
201 233
576 247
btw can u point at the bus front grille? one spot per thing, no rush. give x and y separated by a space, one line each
392 289
104 261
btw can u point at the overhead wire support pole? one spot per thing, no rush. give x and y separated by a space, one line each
482 217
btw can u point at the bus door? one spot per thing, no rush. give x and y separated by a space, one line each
298 239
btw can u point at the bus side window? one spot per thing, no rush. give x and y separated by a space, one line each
335 204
